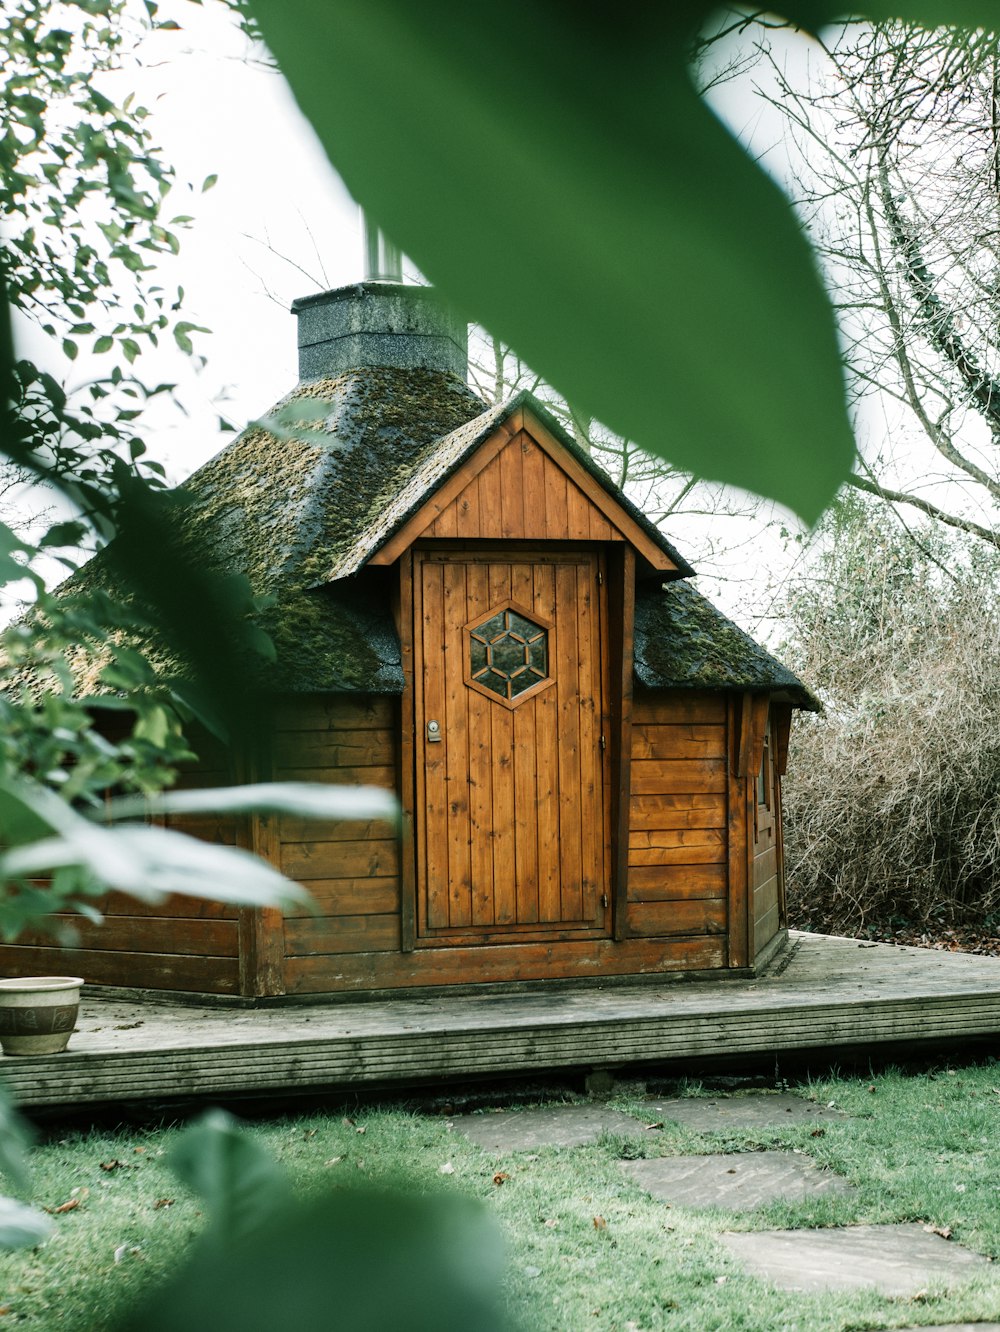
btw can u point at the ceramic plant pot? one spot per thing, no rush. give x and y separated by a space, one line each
38 1013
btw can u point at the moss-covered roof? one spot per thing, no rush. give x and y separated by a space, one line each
683 642
299 513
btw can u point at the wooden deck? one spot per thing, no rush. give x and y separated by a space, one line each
819 992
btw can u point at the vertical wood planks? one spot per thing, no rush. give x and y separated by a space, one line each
480 767
567 687
740 843
407 759
546 714
589 711
621 598
520 802
435 850
456 746
525 761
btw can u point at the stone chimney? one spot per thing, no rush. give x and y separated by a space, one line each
378 324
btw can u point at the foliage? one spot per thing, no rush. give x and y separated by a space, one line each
83 191
892 800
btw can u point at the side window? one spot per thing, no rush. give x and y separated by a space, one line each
764 776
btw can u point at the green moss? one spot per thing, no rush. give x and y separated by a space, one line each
683 642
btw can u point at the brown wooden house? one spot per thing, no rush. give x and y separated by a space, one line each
467 611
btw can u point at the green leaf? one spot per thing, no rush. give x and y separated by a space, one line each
70 349
316 800
104 344
153 726
182 331
21 1226
147 863
15 1138
209 182
370 1262
63 534
577 198
153 863
239 1182
11 570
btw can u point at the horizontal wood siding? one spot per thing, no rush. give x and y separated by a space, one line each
183 943
678 841
491 964
351 869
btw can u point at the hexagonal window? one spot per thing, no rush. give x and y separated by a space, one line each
508 654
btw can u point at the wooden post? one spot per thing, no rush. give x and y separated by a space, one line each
621 615
740 845
261 930
406 776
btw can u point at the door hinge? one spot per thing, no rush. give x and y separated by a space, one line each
604 900
600 578
603 743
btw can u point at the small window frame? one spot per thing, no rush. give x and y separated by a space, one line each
550 650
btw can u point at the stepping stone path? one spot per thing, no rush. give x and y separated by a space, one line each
895 1260
552 1126
758 1110
739 1182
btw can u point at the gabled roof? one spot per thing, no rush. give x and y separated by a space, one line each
301 515
441 460
683 642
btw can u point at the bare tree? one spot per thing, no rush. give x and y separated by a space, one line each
895 163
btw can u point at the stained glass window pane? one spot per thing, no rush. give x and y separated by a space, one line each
508 653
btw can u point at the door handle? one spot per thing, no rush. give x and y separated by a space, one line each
433 732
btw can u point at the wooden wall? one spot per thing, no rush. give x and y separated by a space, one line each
351 869
677 901
183 944
764 797
524 495
677 861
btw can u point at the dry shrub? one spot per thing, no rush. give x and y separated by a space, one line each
892 799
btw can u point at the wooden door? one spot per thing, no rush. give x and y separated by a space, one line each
511 753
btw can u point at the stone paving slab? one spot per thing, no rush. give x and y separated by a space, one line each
551 1126
895 1260
738 1182
716 1114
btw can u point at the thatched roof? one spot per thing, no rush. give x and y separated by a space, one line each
299 513
683 642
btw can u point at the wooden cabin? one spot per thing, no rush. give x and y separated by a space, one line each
468 612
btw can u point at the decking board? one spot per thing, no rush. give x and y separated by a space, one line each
824 992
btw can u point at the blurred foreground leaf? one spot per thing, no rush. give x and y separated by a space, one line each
21 1226
555 174
316 800
15 1138
147 862
239 1182
367 1262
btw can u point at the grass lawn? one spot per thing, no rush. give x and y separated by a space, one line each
587 1249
